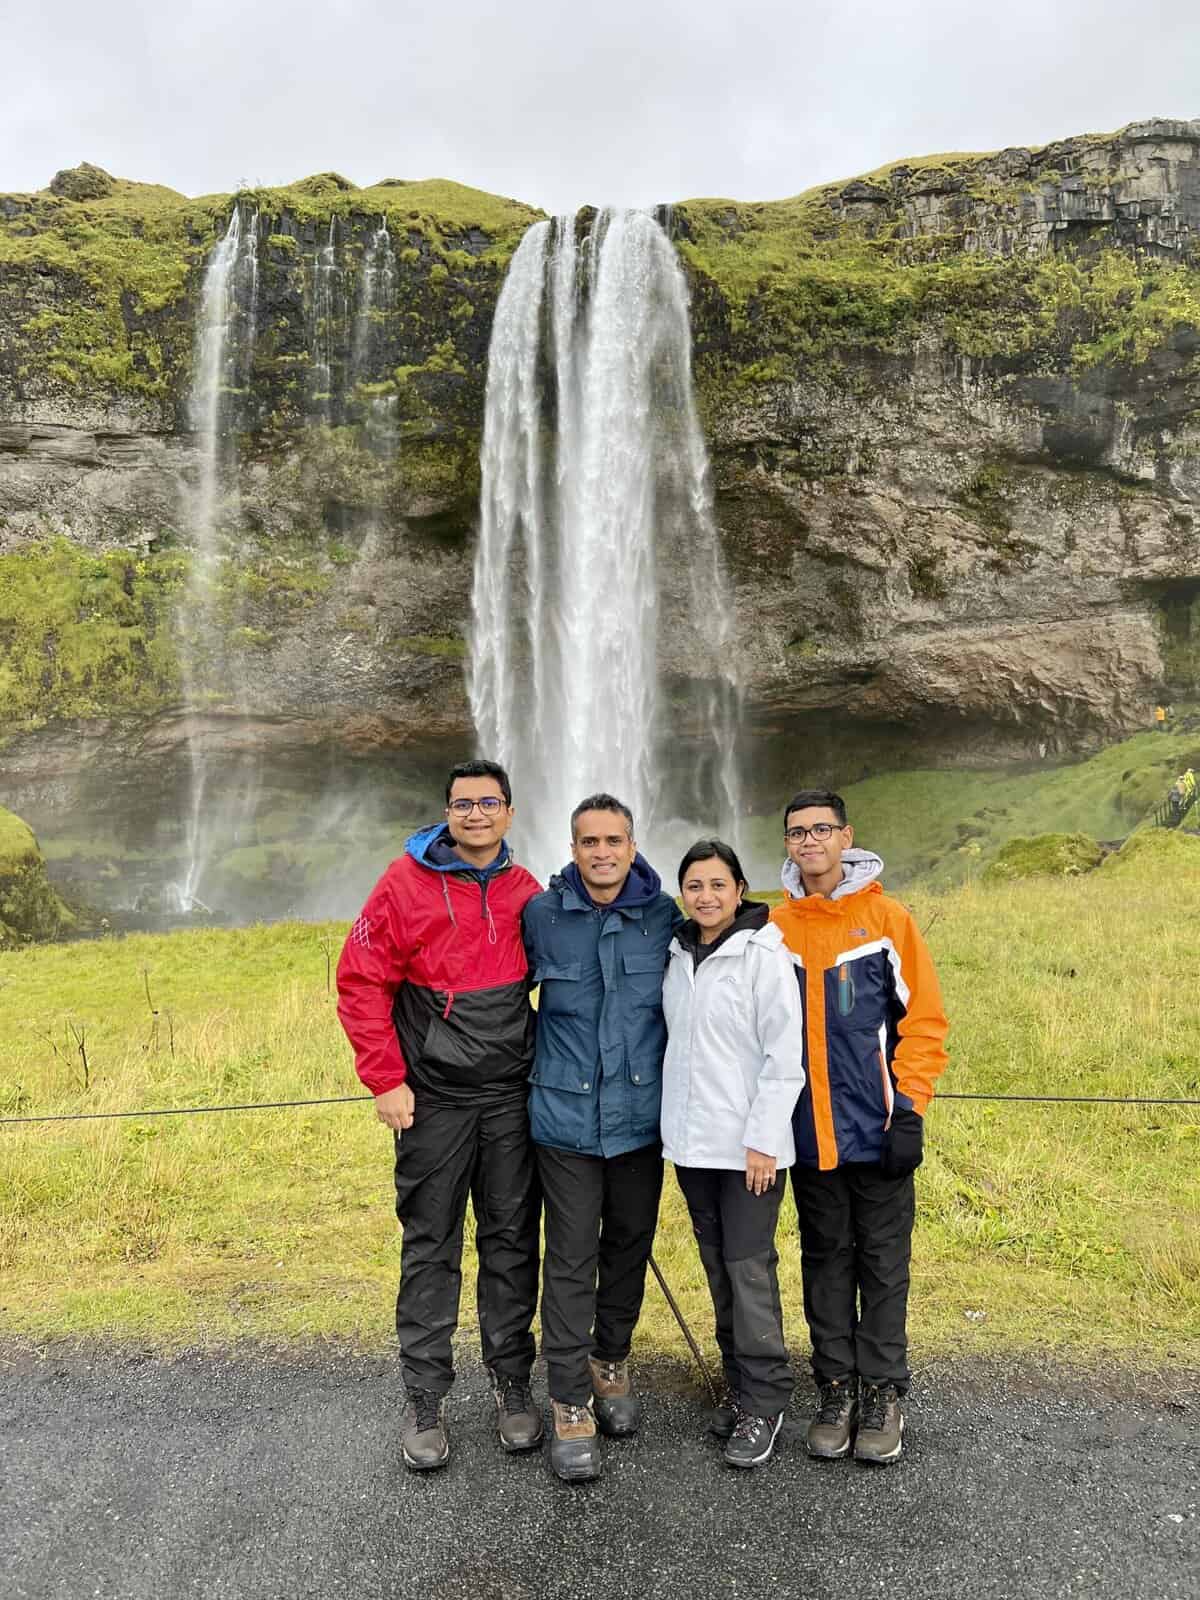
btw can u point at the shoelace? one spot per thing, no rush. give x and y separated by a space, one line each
835 1397
572 1415
516 1397
748 1426
427 1407
873 1406
610 1371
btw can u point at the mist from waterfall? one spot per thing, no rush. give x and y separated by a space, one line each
595 485
226 332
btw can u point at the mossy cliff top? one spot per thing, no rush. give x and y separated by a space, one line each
99 276
1070 255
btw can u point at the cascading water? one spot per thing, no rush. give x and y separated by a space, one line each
376 301
325 308
576 535
224 352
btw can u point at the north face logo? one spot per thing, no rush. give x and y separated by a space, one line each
858 933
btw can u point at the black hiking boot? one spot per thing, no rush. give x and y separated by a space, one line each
722 1419
519 1420
618 1410
424 1441
880 1424
574 1447
753 1439
830 1429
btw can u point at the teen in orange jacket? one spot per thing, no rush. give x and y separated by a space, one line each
875 1037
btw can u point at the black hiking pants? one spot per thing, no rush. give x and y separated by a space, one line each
855 1249
735 1231
601 1214
452 1152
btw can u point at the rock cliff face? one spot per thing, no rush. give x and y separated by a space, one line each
953 409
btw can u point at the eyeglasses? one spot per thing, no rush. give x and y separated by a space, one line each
819 830
489 805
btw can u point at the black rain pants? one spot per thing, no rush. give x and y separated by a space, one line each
735 1230
601 1213
452 1152
855 1249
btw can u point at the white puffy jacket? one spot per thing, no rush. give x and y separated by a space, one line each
735 1049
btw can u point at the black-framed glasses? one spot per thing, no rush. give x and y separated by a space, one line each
489 805
819 830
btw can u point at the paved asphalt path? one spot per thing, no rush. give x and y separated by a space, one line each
125 1475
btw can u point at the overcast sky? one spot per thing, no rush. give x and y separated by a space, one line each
621 102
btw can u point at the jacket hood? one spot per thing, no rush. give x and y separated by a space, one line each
859 868
433 847
749 918
641 888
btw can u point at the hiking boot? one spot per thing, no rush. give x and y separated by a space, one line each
574 1447
618 1409
722 1419
753 1439
519 1420
424 1441
880 1424
830 1429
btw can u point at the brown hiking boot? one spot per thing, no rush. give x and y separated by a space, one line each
618 1409
880 1424
519 1420
830 1429
424 1442
574 1447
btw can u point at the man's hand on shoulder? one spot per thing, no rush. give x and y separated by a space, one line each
395 1108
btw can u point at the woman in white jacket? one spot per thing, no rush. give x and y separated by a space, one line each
732 1075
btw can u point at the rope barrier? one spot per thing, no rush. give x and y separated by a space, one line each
352 1099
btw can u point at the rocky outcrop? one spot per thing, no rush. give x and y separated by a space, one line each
29 907
953 409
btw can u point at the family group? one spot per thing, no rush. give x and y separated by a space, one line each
543 1053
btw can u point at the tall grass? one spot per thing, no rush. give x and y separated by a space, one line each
1040 1226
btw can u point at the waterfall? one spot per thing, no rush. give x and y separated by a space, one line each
376 300
223 357
595 486
324 319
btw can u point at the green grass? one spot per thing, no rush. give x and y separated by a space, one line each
1068 1228
940 827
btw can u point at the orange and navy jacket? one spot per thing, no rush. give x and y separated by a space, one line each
433 983
875 1030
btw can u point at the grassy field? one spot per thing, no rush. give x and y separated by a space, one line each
1072 1229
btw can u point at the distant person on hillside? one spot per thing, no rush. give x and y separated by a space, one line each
1160 718
733 1073
875 1035
433 995
597 943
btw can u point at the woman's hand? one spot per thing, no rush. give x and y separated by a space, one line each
760 1171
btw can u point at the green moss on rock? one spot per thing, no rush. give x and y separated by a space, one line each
86 635
29 907
1057 855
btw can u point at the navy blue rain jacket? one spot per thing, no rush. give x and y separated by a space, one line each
597 1069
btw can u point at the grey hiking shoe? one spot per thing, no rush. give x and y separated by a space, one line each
830 1429
722 1419
424 1441
574 1447
618 1410
519 1420
880 1424
753 1439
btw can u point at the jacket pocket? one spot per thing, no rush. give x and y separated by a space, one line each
644 978
558 987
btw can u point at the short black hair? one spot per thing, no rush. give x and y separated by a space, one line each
706 850
480 769
816 797
602 802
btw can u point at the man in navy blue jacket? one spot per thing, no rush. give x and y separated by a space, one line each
597 943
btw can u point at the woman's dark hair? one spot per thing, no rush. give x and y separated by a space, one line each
705 850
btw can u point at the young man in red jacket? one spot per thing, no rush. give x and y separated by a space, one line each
434 997
874 1045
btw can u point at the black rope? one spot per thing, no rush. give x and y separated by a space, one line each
352 1099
